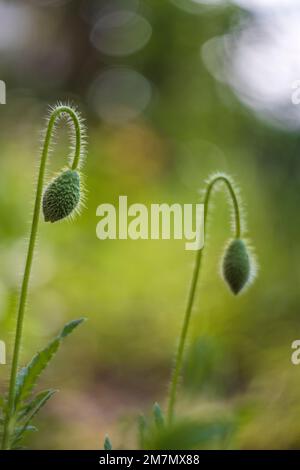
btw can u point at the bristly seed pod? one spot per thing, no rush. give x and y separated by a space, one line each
62 196
236 265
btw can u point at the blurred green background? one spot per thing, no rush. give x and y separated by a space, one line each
171 92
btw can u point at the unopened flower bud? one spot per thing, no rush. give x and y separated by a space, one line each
236 265
62 196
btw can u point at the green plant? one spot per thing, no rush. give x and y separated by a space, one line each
107 443
62 198
238 270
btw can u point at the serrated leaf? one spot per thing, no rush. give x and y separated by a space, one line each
19 436
69 327
30 428
29 413
27 376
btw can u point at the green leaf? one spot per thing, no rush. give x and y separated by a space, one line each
107 443
158 415
28 411
189 435
19 435
142 427
27 414
27 376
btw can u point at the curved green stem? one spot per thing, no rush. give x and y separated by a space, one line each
56 113
192 291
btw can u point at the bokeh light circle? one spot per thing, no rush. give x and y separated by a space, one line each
119 95
121 33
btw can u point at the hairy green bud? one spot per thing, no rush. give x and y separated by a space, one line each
62 196
236 265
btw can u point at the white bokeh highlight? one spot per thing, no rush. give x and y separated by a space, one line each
121 33
119 95
260 61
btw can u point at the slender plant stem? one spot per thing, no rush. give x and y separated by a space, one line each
57 112
191 297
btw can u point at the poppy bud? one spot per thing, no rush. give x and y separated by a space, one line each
236 265
61 196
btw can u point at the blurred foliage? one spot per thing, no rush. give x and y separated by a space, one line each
134 292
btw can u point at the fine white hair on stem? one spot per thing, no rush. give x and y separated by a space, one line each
219 178
218 182
17 398
72 132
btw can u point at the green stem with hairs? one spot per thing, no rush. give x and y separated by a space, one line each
191 297
56 113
